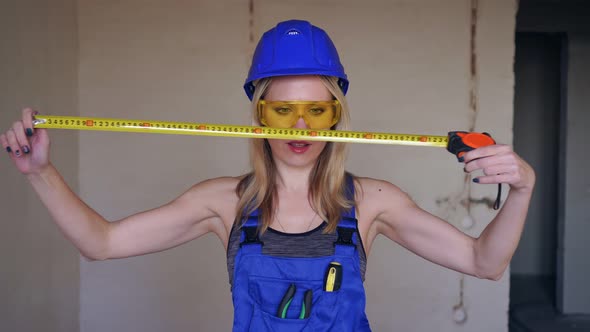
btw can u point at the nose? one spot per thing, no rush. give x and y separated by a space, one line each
300 123
300 120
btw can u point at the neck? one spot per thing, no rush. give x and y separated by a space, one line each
292 179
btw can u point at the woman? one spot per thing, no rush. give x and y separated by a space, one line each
298 228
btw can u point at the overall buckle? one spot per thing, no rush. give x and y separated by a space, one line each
251 236
345 236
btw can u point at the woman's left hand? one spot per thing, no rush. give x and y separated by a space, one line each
500 164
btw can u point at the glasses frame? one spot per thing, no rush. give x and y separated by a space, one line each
327 103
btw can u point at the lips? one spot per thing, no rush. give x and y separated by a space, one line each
299 146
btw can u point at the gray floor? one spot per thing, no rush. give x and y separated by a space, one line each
532 308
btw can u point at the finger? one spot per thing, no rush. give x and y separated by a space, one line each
21 138
486 151
28 121
488 161
4 142
12 142
498 178
500 169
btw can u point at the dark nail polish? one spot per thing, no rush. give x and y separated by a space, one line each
29 132
476 180
17 153
8 149
26 149
461 159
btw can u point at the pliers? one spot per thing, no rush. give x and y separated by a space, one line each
288 298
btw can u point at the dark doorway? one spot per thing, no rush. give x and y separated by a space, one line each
538 71
549 273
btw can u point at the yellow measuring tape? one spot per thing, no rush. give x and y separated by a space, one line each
204 129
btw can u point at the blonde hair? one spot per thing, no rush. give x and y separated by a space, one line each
327 190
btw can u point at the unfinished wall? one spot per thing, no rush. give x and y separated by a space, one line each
409 63
39 276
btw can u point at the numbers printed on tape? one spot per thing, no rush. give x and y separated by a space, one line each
203 129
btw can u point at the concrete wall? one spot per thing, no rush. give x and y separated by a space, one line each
169 60
408 63
39 276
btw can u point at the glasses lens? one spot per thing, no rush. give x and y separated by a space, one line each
285 114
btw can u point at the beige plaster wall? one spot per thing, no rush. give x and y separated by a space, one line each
39 274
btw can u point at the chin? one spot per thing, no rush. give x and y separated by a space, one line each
296 153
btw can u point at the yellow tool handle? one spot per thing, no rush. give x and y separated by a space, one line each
330 279
224 130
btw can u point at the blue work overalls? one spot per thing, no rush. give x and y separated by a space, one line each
260 281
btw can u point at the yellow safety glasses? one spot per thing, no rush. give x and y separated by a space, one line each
285 114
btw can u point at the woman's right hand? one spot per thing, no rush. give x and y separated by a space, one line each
27 147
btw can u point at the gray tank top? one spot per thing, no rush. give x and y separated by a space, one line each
312 243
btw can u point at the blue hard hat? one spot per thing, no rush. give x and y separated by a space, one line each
295 48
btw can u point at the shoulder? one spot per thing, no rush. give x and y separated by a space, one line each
377 196
219 198
219 184
370 188
378 200
211 190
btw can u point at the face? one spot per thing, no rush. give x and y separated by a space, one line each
297 88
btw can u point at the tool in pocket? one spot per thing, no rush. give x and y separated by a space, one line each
288 298
333 278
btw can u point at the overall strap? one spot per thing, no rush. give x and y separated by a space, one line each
347 226
249 241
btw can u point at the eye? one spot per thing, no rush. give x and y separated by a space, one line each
282 110
316 111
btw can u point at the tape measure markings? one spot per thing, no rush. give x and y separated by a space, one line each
223 130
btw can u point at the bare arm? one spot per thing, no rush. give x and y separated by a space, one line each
487 256
191 215
200 210
85 228
498 242
428 236
185 218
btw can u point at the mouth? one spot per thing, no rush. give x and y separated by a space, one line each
299 146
